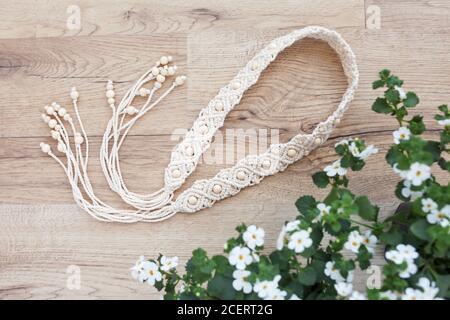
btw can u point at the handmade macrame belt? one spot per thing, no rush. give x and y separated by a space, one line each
186 155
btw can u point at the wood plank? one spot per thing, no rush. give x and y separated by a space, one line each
41 18
412 15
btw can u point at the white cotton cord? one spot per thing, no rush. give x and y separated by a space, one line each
110 161
77 160
184 158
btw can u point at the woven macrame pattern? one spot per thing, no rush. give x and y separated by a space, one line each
252 169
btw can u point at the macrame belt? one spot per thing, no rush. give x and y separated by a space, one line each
185 156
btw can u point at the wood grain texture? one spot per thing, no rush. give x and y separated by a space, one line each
43 232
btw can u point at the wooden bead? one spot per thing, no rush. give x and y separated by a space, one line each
241 175
192 200
217 188
292 153
266 164
176 173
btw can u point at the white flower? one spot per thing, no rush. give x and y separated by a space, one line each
333 272
353 148
282 239
168 263
404 253
394 256
354 241
418 173
343 142
429 288
265 287
294 297
402 173
343 289
407 192
253 237
150 273
357 296
401 92
428 205
388 295
240 282
445 122
323 211
276 294
137 268
240 257
367 152
255 256
370 241
335 169
402 133
412 294
407 251
440 216
292 225
411 269
299 241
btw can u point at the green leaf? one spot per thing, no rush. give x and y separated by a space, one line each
377 84
392 96
392 155
416 125
319 267
384 74
411 100
222 265
199 266
366 210
419 229
221 287
445 165
393 81
392 238
332 196
364 257
381 106
347 161
307 276
305 203
434 148
321 179
443 108
443 283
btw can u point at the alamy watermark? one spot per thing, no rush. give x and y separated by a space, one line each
73 281
373 17
73 21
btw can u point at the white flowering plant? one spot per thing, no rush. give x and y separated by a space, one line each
317 253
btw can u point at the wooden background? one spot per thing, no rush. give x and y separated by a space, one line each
42 232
